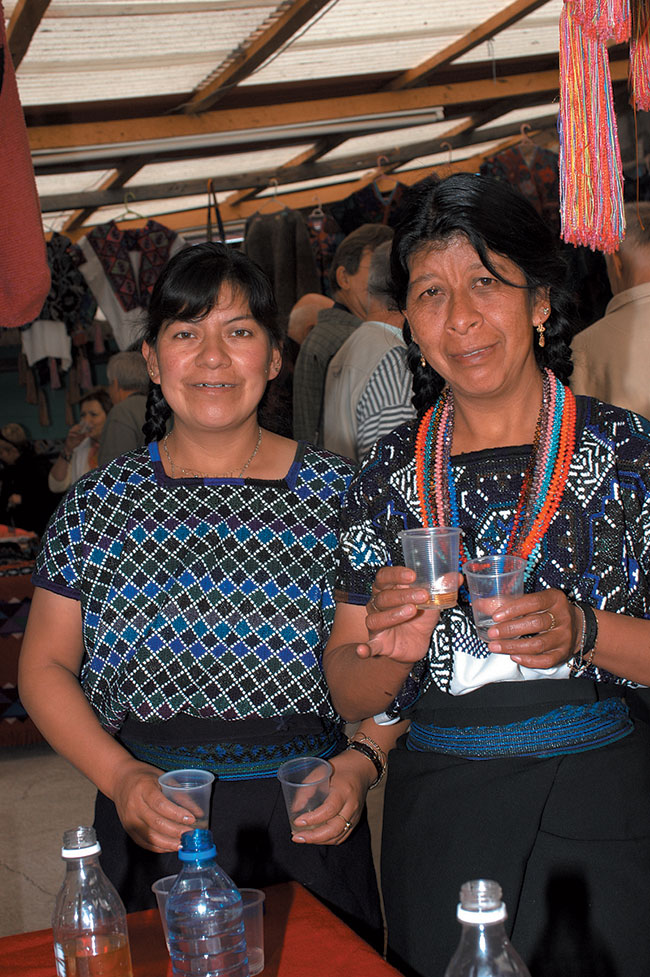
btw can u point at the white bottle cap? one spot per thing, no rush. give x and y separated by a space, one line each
481 916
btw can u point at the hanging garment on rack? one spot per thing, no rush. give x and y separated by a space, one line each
369 206
68 308
537 178
121 268
279 244
325 236
24 274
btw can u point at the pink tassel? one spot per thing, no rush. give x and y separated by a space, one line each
639 79
591 173
55 380
98 345
43 410
85 379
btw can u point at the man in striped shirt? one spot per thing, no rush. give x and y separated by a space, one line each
368 385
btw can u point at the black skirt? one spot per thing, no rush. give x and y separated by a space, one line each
567 837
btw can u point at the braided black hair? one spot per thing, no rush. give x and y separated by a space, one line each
187 290
497 219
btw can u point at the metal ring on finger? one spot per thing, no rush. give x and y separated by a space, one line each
348 824
553 621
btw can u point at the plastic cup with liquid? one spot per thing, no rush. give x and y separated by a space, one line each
493 582
432 552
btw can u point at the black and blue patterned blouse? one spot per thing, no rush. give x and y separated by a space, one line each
206 598
596 548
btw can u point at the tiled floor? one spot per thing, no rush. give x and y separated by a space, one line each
41 795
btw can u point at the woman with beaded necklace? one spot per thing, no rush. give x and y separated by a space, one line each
522 759
183 597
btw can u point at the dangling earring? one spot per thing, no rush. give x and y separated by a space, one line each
541 327
423 362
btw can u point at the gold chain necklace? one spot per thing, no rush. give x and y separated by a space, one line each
194 474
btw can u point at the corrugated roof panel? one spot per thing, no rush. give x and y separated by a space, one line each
538 33
383 143
453 156
71 182
75 58
345 41
212 166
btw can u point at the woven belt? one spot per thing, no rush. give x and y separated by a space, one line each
235 761
568 729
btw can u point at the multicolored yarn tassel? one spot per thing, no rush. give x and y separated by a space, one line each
603 19
591 173
639 78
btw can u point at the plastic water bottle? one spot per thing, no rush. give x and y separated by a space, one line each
484 949
89 921
204 914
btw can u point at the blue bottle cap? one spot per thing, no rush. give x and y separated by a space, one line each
197 845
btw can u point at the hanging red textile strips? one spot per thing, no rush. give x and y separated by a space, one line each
604 19
639 80
591 173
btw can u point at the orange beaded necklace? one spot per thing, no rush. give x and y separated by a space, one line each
544 480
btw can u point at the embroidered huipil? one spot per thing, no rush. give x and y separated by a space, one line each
207 598
597 546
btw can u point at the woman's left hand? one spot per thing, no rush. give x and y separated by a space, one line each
540 630
337 817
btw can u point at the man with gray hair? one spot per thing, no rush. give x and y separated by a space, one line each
128 385
368 385
612 356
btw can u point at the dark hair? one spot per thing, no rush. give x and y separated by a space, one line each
494 217
102 397
187 290
350 250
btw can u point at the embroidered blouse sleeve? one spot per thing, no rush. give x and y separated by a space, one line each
59 564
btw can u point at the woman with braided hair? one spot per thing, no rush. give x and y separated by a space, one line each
184 594
521 758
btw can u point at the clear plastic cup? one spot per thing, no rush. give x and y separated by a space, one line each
493 581
191 789
160 889
433 553
305 786
253 900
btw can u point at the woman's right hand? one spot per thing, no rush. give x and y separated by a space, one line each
153 821
75 436
397 628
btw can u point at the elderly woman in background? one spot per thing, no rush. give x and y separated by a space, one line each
184 594
518 759
81 447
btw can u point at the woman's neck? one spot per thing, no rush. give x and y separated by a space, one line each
222 453
510 420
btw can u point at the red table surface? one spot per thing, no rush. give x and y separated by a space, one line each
301 939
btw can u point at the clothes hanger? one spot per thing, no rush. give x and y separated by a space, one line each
318 210
527 147
128 213
384 182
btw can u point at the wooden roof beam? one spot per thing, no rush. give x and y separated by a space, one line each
253 52
183 221
115 181
493 25
23 25
460 136
418 75
241 122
